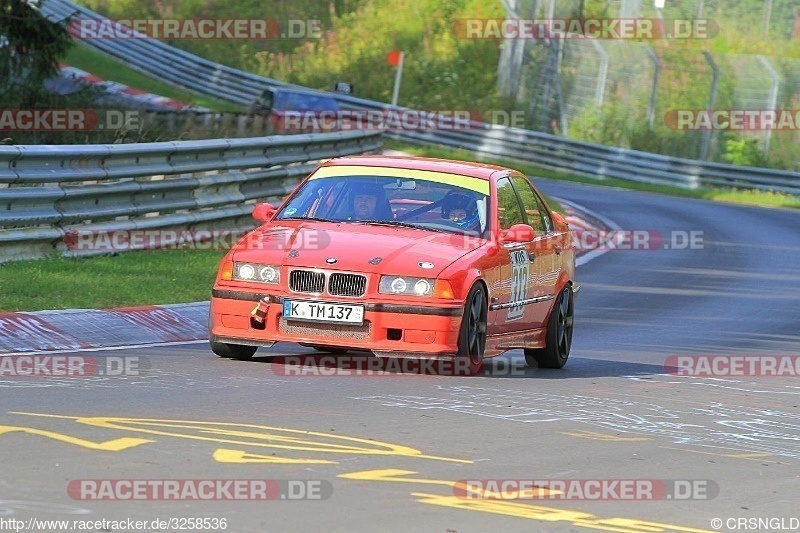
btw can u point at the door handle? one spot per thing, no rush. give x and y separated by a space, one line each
531 257
558 250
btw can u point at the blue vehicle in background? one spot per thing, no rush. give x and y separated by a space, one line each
295 111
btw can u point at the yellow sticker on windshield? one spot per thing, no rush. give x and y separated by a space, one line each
478 185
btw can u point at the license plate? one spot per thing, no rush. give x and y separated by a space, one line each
323 312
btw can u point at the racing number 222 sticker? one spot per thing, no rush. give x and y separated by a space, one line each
519 283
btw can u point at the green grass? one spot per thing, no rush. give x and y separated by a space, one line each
755 197
109 69
127 279
745 197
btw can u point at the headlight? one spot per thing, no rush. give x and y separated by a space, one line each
256 272
398 285
269 274
422 287
406 285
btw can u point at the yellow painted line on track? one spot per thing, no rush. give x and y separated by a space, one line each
550 514
223 455
399 476
749 456
603 436
488 504
252 435
114 445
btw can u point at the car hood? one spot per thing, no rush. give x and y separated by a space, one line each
355 247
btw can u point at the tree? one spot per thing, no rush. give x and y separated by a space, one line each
30 49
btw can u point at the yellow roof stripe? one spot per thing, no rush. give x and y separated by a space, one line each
467 182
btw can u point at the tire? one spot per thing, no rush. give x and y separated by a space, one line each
233 351
472 333
327 349
558 338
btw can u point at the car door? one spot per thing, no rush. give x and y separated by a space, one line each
508 309
543 252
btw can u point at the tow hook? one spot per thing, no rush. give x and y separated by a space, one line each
260 312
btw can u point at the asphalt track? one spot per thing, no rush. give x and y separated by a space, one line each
386 450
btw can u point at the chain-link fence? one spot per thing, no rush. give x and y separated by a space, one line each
626 93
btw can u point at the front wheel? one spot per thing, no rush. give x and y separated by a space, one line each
558 338
472 334
233 351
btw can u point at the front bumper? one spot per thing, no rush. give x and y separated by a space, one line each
387 327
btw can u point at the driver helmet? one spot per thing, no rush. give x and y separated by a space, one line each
370 188
454 202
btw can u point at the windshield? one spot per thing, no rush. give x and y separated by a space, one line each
448 203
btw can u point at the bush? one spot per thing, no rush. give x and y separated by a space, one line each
744 151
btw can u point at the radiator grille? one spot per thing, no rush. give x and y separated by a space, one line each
307 281
347 284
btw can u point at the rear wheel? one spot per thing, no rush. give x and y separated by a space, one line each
233 351
472 334
558 338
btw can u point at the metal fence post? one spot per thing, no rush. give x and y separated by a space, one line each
773 98
511 56
651 109
562 112
767 17
602 74
712 98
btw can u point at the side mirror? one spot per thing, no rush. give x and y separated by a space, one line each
263 212
559 219
519 233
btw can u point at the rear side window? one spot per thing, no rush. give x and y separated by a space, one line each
509 211
535 211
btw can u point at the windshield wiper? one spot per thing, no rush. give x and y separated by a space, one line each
396 223
316 219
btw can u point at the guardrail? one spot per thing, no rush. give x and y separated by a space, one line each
47 192
188 71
